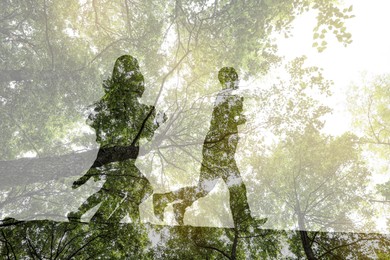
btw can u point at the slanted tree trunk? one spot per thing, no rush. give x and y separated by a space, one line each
34 170
27 74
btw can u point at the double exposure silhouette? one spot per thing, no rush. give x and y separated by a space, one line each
120 121
218 160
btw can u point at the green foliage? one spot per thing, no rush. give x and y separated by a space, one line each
51 240
369 106
54 56
216 243
372 117
331 19
342 245
314 179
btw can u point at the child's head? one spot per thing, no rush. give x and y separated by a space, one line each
228 77
127 74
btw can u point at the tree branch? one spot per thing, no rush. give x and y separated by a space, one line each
215 249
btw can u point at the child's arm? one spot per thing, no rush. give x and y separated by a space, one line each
239 117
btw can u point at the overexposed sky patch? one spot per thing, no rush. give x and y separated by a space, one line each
369 52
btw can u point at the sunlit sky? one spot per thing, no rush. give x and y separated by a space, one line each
368 53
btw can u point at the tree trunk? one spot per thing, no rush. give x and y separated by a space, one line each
27 74
306 243
233 255
34 170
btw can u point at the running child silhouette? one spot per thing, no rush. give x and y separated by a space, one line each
218 160
119 120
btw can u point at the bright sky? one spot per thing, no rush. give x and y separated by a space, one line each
369 52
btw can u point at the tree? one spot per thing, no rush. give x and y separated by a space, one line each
372 121
315 181
217 243
54 57
54 240
318 182
372 117
337 245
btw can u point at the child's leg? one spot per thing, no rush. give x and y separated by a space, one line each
91 202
